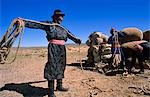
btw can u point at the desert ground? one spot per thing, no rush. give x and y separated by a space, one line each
24 77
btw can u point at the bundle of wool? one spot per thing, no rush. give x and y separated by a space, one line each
132 45
146 35
96 38
130 48
130 34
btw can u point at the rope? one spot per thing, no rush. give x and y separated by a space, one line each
7 38
116 56
116 43
17 30
80 58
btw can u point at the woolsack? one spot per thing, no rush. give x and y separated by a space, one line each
146 35
96 38
101 35
132 44
130 34
129 47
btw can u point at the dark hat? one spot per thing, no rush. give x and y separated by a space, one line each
58 12
112 30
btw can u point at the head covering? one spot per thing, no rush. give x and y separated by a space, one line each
112 30
58 12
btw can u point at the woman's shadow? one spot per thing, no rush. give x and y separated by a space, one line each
26 89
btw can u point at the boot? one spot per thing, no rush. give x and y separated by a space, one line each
51 89
59 86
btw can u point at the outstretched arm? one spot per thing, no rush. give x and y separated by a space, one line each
72 37
33 24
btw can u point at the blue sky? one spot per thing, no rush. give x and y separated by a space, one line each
82 16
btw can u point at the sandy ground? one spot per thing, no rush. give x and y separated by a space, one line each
24 78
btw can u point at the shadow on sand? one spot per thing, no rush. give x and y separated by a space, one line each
75 64
81 66
84 66
26 89
106 70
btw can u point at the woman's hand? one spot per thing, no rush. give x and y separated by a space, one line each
78 41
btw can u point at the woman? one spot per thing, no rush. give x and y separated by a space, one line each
56 36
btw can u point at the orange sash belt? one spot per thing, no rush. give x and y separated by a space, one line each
58 42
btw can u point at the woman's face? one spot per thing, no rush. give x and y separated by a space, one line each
58 19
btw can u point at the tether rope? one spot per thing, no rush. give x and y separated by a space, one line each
80 57
117 53
12 38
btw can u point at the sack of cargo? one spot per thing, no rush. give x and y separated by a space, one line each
96 38
88 42
146 35
132 45
102 36
130 34
93 54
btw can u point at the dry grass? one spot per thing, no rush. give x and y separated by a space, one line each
24 77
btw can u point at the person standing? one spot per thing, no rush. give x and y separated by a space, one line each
56 36
115 48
